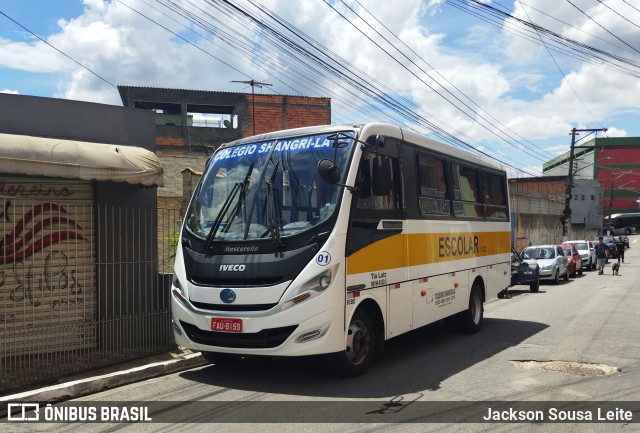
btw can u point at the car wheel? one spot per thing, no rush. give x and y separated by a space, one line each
627 231
556 277
359 350
566 275
592 266
470 320
535 286
580 271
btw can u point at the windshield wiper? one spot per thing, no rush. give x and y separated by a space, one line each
237 187
271 210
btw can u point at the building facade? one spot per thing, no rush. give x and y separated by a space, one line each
191 124
614 163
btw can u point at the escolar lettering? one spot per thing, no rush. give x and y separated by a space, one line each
458 246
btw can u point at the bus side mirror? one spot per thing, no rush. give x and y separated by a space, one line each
381 184
328 171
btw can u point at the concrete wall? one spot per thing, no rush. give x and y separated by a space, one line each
173 166
76 120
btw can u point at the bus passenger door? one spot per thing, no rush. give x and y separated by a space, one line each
377 243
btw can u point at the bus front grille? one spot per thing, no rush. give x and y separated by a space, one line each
267 338
234 307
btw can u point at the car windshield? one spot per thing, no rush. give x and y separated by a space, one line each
581 246
539 253
267 189
567 251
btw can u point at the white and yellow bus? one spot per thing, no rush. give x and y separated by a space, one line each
333 239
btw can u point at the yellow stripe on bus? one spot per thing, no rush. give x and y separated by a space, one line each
404 250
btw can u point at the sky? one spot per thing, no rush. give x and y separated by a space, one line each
494 84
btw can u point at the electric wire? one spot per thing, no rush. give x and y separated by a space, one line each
601 26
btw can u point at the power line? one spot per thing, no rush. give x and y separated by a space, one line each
61 52
566 80
620 15
430 66
601 26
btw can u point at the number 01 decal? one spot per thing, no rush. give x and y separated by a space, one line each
323 258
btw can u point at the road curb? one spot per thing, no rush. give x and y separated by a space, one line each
90 385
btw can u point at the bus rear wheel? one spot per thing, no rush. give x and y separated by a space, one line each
470 320
359 350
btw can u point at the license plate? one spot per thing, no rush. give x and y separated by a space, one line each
225 324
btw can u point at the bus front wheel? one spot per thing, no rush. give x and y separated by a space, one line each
360 348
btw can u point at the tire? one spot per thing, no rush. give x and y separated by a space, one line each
220 358
535 286
627 231
566 275
470 320
556 277
592 265
580 271
359 350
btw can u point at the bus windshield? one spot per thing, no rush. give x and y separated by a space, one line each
268 189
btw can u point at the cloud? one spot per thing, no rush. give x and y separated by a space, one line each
12 92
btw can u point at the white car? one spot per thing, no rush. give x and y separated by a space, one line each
551 259
586 251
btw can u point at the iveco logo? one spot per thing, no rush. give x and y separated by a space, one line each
232 268
227 296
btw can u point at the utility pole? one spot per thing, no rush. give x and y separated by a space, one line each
253 84
566 213
610 196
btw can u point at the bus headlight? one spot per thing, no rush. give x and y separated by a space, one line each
177 290
311 288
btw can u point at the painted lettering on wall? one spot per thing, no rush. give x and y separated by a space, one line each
27 238
33 190
28 286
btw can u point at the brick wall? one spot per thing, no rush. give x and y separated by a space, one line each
273 113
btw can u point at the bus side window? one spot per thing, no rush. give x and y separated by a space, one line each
465 191
495 204
378 204
387 194
434 198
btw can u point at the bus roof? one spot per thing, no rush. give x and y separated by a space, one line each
378 128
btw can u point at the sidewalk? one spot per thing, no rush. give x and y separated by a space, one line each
111 377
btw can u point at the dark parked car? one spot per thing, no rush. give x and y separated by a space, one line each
626 241
524 271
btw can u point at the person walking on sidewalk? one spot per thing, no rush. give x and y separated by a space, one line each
601 254
620 247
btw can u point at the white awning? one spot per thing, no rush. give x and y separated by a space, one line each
51 157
